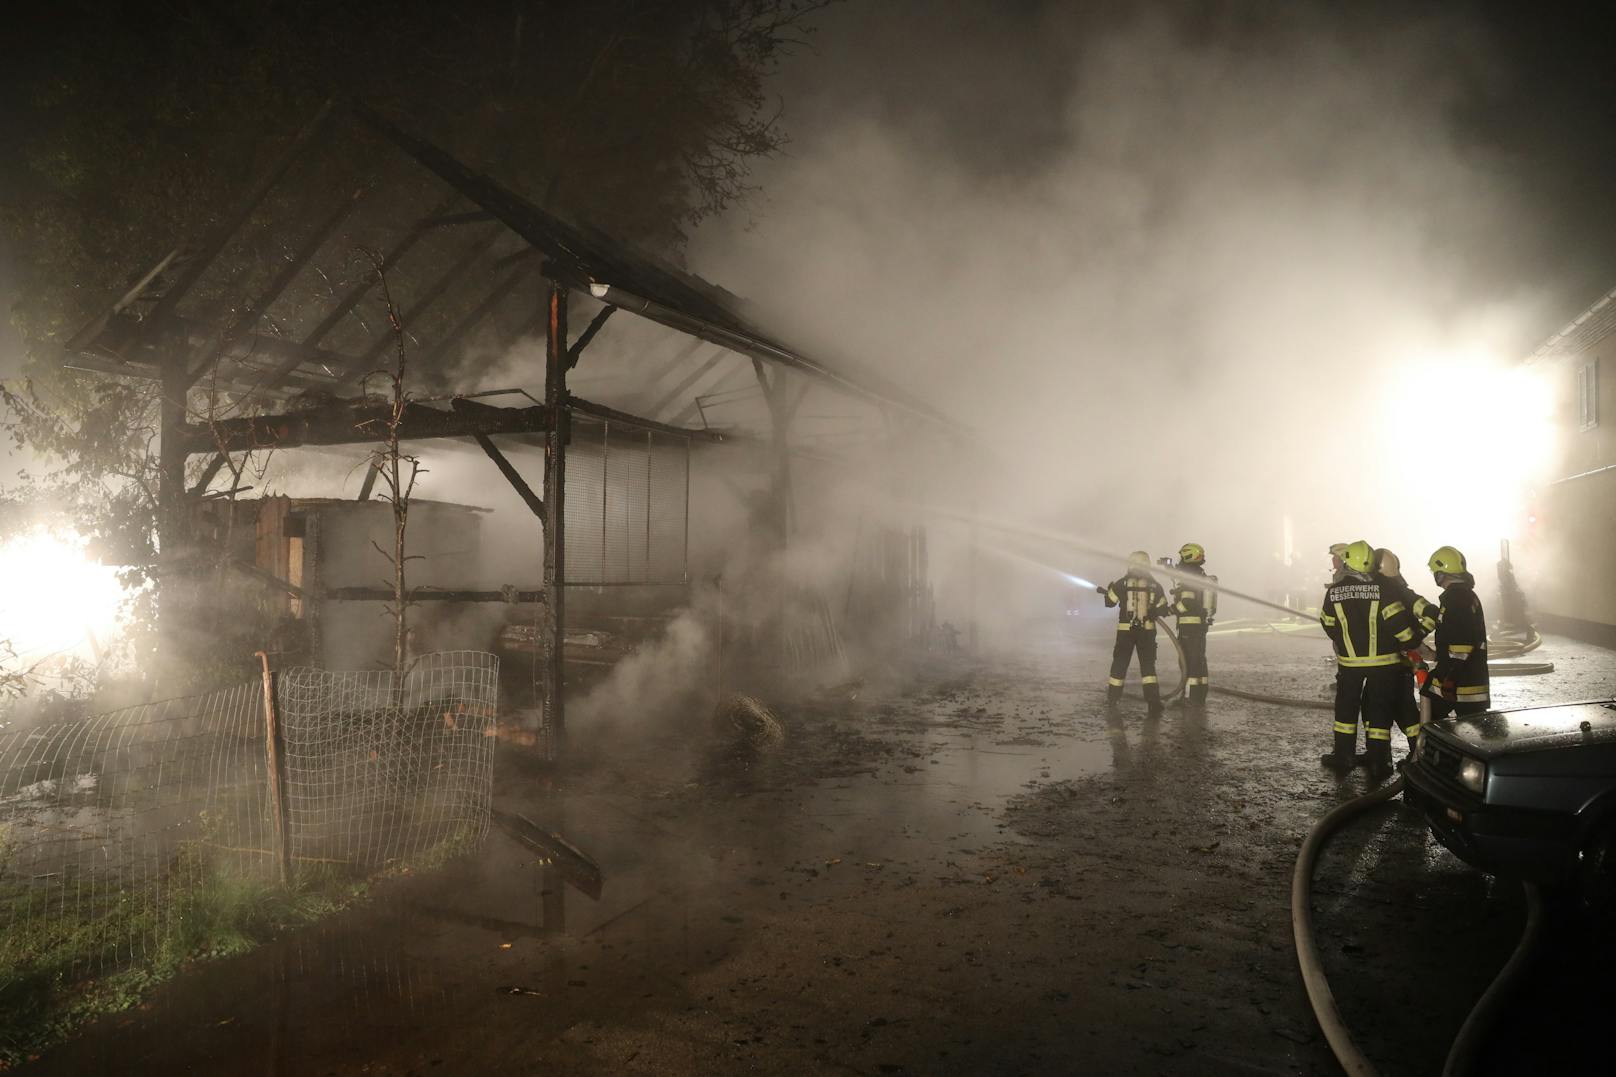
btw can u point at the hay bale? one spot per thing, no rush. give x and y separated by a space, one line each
747 720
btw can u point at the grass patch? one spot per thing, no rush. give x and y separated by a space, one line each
59 972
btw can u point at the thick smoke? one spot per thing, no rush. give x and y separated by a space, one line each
1215 275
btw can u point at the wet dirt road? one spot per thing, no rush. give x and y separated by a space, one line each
972 871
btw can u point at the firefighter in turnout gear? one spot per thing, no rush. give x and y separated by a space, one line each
1195 607
1458 683
1389 570
1369 627
1140 602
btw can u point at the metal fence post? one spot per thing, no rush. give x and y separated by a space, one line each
277 788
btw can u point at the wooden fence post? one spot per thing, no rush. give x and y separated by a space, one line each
277 789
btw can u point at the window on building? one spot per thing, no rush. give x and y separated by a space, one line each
1588 394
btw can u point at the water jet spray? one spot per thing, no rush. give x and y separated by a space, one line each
1029 531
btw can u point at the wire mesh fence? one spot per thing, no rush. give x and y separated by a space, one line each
381 766
124 834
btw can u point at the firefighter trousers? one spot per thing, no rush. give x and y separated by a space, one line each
1193 639
1408 706
1129 638
1370 691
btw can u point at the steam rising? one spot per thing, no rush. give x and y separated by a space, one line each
1220 275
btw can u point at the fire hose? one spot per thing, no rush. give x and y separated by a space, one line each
1465 1051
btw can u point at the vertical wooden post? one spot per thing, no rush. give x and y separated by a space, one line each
277 788
555 518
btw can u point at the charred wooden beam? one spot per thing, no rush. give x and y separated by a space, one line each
357 424
512 476
576 352
555 514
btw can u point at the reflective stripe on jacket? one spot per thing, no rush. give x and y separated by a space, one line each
1366 622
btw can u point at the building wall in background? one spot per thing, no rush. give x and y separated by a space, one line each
1574 544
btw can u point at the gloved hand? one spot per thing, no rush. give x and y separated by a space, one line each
1209 622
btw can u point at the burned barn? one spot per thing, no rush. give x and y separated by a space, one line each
602 442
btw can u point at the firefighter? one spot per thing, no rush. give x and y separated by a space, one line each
1140 602
1458 683
1369 628
1195 607
1388 568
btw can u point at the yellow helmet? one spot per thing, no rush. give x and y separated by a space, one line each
1447 561
1192 553
1139 557
1387 563
1358 556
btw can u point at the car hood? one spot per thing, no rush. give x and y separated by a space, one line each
1534 728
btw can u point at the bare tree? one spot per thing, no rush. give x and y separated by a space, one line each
398 471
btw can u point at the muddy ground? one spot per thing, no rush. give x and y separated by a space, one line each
965 869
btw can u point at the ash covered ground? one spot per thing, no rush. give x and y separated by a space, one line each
961 868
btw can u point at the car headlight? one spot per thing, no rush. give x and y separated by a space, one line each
1473 775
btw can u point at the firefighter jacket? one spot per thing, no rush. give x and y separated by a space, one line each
1140 600
1460 672
1366 621
1194 605
1425 613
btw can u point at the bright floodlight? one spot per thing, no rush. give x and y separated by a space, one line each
54 596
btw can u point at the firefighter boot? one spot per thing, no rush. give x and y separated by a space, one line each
1380 760
1153 700
1346 740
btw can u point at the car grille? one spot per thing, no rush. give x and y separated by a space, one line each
1440 758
